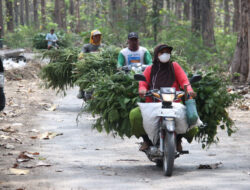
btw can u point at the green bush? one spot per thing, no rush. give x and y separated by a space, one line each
20 38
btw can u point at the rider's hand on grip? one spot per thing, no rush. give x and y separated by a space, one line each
142 92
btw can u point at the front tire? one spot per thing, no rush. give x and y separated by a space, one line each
169 154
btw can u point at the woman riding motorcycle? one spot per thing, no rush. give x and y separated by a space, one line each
163 73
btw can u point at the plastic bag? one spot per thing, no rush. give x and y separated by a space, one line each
150 114
192 115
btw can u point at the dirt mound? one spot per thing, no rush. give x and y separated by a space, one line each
30 71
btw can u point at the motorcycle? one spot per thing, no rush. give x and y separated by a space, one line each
137 68
54 45
164 152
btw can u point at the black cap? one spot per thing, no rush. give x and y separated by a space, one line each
133 35
165 47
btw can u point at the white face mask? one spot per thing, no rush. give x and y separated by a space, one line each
164 58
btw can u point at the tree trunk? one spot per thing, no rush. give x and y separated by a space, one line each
207 24
16 12
1 19
226 16
187 10
78 21
9 15
43 13
35 13
27 11
168 4
132 15
57 12
21 12
63 15
241 61
71 7
143 14
236 17
196 16
178 4
157 5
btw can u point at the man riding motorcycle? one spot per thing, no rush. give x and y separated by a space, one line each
133 53
163 73
51 38
93 46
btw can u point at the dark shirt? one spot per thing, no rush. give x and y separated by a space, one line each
87 48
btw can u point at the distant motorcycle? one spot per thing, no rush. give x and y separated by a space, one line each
137 68
54 45
164 152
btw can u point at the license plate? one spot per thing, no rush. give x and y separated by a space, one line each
1 80
167 113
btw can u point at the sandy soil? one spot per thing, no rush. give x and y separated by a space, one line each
82 159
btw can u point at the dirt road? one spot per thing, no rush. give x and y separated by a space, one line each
82 159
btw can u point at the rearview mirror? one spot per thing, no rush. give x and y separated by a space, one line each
195 78
139 77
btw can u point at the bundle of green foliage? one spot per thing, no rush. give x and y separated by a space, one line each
114 97
58 73
94 65
212 100
39 41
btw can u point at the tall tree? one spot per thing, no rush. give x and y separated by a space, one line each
227 16
63 15
178 4
27 8
35 6
186 10
207 24
16 9
57 12
241 60
78 19
1 18
71 7
9 15
43 13
157 6
115 12
21 12
196 16
236 17
133 15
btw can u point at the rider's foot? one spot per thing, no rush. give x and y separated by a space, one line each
144 146
178 145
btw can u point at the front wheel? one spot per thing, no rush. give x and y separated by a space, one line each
169 154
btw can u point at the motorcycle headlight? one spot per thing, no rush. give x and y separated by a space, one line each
168 97
168 94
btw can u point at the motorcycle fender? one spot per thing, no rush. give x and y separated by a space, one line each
169 124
